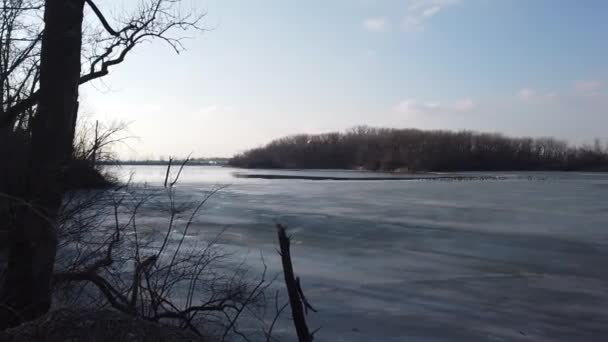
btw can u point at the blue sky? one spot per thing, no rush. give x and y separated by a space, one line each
268 68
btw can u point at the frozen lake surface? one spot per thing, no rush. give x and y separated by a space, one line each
523 258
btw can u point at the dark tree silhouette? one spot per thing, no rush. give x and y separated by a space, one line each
297 301
20 38
33 240
26 291
417 150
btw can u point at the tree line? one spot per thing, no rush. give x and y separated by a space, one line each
417 150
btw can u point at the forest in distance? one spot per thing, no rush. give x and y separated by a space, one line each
415 150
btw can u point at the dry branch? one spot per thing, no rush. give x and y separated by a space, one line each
297 300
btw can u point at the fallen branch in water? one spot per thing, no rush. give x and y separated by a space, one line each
297 301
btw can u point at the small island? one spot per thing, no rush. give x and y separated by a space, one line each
414 151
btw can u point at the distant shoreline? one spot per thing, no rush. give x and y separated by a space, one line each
215 162
398 173
414 150
387 178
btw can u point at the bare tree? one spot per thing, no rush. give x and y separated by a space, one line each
94 141
26 291
109 258
105 43
20 38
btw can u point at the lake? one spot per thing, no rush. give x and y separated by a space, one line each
518 257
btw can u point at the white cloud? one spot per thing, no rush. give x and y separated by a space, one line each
590 88
209 109
533 95
526 94
413 107
431 11
419 12
416 108
463 105
587 86
379 24
588 92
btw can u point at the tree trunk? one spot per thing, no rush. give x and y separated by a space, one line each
296 297
26 291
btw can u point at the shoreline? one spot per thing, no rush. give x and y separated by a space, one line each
387 178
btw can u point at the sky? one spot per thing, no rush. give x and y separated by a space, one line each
270 68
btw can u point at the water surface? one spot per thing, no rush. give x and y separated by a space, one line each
522 258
